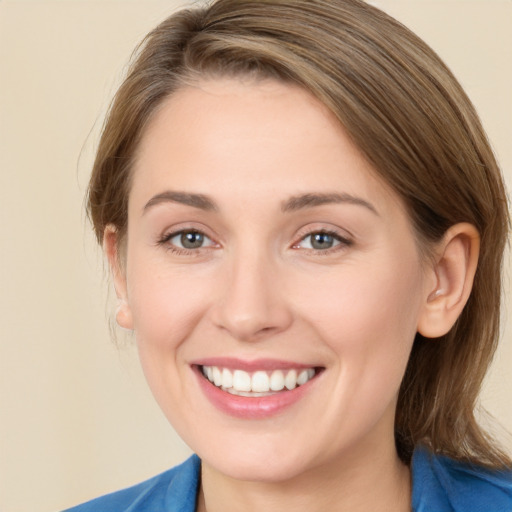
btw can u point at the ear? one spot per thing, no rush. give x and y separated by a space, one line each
452 275
111 247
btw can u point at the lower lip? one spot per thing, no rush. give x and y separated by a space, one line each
251 407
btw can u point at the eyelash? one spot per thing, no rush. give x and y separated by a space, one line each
343 242
183 251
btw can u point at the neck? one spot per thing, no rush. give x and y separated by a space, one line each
379 482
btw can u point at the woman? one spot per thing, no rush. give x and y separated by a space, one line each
305 226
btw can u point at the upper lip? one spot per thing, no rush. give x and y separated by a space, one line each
251 365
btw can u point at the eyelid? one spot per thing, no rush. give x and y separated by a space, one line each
176 234
336 240
165 240
343 238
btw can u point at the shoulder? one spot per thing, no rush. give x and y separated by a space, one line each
174 490
442 484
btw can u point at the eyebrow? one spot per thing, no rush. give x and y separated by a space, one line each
318 199
295 203
195 200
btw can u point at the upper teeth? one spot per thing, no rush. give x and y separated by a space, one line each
260 381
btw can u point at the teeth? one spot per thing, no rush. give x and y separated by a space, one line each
302 378
227 379
241 381
259 383
277 380
217 376
290 381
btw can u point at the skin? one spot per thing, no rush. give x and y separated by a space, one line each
257 289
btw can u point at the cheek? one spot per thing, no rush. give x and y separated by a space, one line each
166 307
368 316
165 304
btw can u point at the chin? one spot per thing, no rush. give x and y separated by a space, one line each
267 471
257 463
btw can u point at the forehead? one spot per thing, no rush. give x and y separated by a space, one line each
242 137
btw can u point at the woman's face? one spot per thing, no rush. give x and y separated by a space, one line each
262 252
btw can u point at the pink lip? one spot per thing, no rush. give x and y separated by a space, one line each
251 366
251 407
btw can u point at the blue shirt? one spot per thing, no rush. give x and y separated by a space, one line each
440 484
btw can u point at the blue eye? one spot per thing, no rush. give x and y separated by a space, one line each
188 240
322 241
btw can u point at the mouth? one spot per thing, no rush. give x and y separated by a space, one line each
256 389
259 383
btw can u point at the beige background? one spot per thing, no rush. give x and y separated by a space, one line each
76 419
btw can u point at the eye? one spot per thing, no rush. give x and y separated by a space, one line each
321 241
187 240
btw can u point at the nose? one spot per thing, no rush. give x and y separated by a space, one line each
253 304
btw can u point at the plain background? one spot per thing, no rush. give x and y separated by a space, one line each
76 418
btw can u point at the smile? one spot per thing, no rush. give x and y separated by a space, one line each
258 383
258 389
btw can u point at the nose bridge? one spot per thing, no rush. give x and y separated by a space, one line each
252 304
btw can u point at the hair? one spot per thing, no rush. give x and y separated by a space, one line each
407 114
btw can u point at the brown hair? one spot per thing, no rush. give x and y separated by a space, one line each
408 115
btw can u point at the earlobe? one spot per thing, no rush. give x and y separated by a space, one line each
124 315
453 272
111 248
